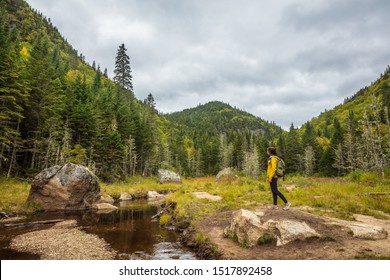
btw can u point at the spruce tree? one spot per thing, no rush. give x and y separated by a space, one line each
13 94
293 152
122 70
45 104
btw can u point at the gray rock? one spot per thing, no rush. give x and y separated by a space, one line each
291 230
104 207
369 232
366 229
206 195
247 228
168 176
125 197
155 195
226 174
107 199
68 187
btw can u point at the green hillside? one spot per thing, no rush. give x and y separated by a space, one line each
226 136
357 104
354 136
214 118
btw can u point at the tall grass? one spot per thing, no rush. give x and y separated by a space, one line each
13 195
342 197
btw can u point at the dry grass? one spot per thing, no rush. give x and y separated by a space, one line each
13 195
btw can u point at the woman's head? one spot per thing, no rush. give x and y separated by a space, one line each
271 151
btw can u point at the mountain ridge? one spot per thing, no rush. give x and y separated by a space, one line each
221 117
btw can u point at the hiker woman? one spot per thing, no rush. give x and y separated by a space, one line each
272 179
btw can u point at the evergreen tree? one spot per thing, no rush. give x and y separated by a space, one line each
328 157
311 145
43 127
13 94
149 101
293 154
122 70
97 81
350 145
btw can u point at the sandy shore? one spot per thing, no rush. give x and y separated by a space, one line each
63 241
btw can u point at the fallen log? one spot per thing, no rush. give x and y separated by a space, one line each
162 211
35 223
3 215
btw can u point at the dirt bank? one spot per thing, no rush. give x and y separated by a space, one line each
335 243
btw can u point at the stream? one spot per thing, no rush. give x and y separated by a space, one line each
130 231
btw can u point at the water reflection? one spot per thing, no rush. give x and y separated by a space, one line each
131 230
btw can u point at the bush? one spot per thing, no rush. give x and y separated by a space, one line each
370 178
356 175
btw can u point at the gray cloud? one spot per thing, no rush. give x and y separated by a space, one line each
294 57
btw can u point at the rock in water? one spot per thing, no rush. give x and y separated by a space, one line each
167 176
68 187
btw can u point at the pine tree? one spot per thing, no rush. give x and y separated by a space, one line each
328 157
122 70
13 94
293 152
45 105
350 146
338 161
149 101
309 143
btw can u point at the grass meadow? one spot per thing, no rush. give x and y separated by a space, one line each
360 193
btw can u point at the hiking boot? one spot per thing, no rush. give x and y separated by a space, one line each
287 206
273 207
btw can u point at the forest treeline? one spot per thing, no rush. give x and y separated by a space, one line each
56 108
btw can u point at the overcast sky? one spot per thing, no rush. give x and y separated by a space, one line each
285 61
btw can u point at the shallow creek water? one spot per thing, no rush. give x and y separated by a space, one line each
131 232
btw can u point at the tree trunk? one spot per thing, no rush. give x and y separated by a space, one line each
13 156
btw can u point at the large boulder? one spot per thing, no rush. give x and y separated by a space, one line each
168 176
248 229
68 187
